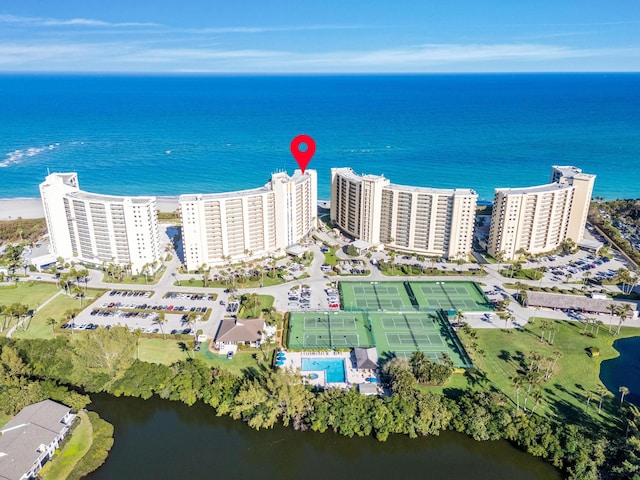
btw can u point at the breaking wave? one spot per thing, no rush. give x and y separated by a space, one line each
17 156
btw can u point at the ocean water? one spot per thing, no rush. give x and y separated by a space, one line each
202 134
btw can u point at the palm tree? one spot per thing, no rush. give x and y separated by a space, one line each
78 293
52 321
623 391
160 320
602 392
613 309
517 384
544 325
622 315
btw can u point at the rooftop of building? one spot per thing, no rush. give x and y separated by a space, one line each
567 170
547 188
98 197
283 177
348 173
35 425
433 191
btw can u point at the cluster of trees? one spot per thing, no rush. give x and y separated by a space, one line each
105 361
424 370
18 387
622 212
22 230
13 311
12 257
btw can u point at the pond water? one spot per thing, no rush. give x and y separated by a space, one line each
624 370
160 439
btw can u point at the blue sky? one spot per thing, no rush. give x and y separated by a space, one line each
305 36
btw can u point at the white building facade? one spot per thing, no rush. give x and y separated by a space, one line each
420 220
538 219
221 227
99 229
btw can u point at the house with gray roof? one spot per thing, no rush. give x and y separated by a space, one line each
232 331
366 358
31 438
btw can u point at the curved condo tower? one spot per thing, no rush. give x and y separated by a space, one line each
538 219
220 227
421 220
97 229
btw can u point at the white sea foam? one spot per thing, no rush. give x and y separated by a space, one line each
17 156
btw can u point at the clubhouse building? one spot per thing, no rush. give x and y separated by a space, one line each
97 229
538 219
420 220
222 227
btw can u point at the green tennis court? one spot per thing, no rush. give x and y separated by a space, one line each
372 296
450 295
402 334
329 330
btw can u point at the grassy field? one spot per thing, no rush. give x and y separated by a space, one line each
75 448
330 257
169 351
32 294
37 326
574 378
264 302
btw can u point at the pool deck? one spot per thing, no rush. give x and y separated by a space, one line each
354 376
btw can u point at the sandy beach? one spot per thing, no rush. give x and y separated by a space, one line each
12 208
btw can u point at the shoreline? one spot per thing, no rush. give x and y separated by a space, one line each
31 208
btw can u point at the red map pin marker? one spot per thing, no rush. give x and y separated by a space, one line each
303 158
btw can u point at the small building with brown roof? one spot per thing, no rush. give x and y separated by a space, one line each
232 331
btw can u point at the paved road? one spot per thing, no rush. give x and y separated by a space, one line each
319 281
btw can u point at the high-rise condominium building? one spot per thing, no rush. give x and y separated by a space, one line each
250 223
538 219
426 221
97 229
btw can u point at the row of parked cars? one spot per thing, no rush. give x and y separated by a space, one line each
80 326
189 296
300 298
333 297
121 314
129 293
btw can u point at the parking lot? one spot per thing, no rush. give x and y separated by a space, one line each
182 312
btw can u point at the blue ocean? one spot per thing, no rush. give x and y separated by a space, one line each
168 135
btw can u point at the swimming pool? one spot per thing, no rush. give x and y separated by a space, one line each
333 368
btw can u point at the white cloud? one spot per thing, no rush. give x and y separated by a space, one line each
140 57
82 22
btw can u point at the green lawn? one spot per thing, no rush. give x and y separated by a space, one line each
576 374
32 294
240 362
169 351
198 282
37 326
330 257
157 350
75 448
264 302
135 279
